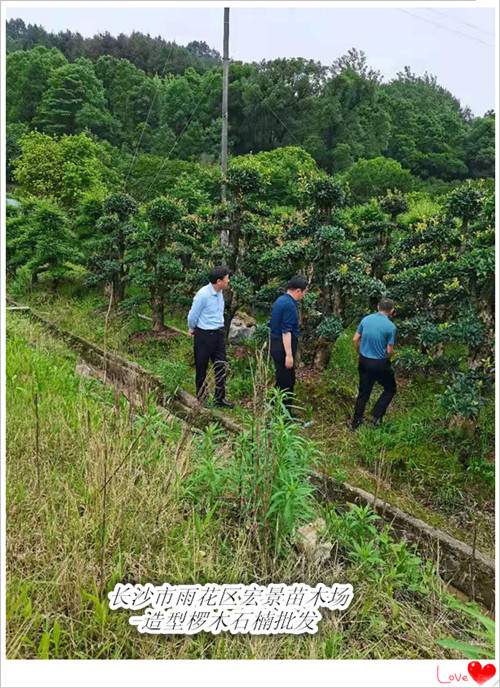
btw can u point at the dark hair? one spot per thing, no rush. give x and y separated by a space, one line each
217 273
297 282
386 305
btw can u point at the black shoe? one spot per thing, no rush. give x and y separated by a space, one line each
223 403
376 422
356 424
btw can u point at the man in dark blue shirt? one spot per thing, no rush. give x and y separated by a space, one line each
284 326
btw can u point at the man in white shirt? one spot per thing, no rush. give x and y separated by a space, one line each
206 325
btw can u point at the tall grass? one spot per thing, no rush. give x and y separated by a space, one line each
115 499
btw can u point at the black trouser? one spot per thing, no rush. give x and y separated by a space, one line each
285 377
210 345
372 370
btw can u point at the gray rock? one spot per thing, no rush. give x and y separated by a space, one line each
242 328
308 542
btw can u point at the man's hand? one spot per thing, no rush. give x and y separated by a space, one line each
191 332
288 361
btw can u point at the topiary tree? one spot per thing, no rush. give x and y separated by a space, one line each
328 331
108 262
393 203
339 274
443 280
325 193
156 254
239 219
464 203
373 231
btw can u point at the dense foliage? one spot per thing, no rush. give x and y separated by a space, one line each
140 93
368 188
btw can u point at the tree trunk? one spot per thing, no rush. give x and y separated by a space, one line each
157 313
322 354
118 289
231 306
234 240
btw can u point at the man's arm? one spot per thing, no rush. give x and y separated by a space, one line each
287 343
195 312
356 339
390 343
288 322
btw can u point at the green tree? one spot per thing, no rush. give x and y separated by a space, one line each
283 171
428 126
350 116
442 275
27 75
369 178
74 102
190 109
63 169
480 146
273 103
153 175
131 99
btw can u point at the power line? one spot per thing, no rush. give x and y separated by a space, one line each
179 137
447 28
153 100
464 23
281 122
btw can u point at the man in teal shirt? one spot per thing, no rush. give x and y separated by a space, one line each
374 340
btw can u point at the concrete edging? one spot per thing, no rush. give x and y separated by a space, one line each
470 571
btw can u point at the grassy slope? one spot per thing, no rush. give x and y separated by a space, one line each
415 461
60 565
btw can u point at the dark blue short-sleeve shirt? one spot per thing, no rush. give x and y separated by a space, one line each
284 317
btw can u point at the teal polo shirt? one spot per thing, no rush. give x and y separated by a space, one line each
377 331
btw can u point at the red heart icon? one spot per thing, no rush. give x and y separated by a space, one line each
479 673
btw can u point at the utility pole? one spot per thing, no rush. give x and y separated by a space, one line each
225 88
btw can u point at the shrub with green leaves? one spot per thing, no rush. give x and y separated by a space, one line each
411 360
243 180
373 177
464 202
63 169
325 193
464 396
39 239
330 328
370 546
